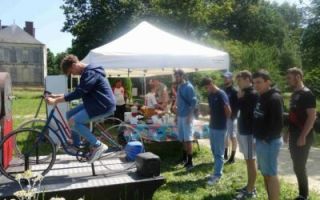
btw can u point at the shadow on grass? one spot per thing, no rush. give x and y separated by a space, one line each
203 167
186 186
218 197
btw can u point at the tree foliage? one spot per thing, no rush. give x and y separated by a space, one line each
311 39
53 62
256 33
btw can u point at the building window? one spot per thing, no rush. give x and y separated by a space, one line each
1 55
13 56
7 55
25 55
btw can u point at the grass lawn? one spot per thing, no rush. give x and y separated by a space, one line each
25 105
181 185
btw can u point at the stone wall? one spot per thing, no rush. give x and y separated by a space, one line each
24 62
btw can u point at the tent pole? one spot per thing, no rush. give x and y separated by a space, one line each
144 85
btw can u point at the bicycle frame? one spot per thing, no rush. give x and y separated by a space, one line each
62 127
66 132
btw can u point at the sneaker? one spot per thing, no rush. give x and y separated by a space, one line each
243 189
245 195
229 162
301 198
97 152
188 166
213 180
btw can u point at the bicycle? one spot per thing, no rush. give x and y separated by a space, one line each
37 149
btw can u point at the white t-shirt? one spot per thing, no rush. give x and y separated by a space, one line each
119 95
151 100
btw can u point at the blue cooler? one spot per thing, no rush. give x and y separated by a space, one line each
132 149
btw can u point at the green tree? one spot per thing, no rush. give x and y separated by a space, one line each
311 40
257 21
58 60
50 63
95 22
312 80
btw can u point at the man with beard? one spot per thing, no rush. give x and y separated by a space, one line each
302 116
186 102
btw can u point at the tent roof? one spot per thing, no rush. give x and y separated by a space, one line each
147 50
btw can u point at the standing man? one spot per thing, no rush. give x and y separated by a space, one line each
302 116
267 126
220 111
231 122
186 101
247 99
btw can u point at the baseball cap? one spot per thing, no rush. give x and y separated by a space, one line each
227 75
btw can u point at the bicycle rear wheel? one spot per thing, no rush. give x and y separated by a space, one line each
33 146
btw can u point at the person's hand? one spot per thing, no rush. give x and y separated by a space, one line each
301 141
286 138
50 100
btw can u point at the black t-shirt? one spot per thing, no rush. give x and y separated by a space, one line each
233 100
246 106
301 100
217 101
268 116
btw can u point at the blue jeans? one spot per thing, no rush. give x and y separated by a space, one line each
217 147
81 119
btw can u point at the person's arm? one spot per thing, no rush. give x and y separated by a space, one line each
275 115
227 108
227 111
87 83
309 105
191 95
125 94
308 125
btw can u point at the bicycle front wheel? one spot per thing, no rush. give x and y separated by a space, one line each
33 146
34 124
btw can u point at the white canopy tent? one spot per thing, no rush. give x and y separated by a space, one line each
148 51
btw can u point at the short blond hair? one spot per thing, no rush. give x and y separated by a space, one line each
295 71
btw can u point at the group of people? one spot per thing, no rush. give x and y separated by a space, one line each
258 110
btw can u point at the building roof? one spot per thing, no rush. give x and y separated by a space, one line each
14 34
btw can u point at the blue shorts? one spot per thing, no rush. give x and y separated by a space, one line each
185 129
267 156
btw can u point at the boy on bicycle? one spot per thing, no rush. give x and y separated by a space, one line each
97 96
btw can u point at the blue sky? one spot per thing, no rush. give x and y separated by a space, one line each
48 19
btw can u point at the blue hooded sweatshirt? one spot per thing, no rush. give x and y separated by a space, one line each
95 91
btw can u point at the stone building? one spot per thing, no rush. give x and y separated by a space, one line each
23 56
